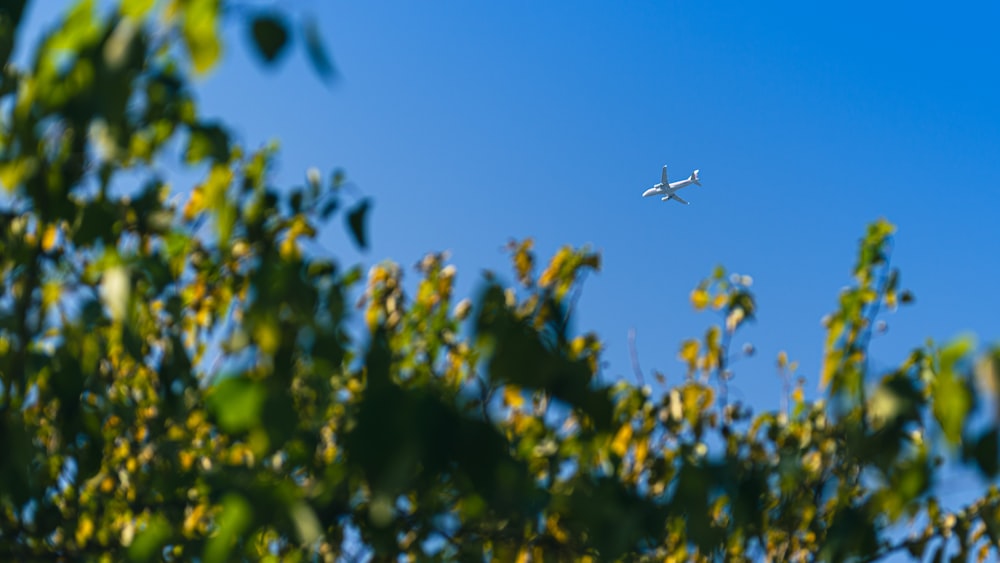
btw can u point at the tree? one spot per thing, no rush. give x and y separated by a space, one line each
179 381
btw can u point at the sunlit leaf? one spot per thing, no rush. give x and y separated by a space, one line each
952 396
699 299
135 9
199 29
622 440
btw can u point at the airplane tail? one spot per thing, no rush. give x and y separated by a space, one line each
694 178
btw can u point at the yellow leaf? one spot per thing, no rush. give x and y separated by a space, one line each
696 399
135 8
49 238
641 451
689 351
797 395
830 361
552 523
720 301
51 292
621 442
812 462
713 340
699 299
193 519
512 396
289 249
13 173
524 260
201 34
204 317
782 359
195 204
268 336
555 269
84 530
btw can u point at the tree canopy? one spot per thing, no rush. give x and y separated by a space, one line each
180 380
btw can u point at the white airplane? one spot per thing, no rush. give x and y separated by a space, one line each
667 190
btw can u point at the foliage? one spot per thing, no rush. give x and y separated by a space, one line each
180 381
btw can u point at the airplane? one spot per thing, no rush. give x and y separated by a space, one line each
667 190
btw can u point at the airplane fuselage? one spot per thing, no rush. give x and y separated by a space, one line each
666 189
669 190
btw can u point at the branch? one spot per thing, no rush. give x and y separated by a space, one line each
635 357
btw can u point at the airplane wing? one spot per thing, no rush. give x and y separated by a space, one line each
663 176
678 198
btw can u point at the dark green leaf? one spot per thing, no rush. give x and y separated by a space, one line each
328 208
356 219
207 141
987 454
270 35
318 56
237 403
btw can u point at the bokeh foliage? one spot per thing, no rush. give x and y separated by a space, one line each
181 379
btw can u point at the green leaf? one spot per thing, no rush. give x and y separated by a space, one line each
270 35
236 517
201 35
237 403
151 539
207 141
987 452
320 60
952 395
135 8
356 218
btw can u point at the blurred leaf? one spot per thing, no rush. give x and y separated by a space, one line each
199 30
207 141
951 392
357 221
622 441
135 9
986 452
321 62
237 403
150 540
699 299
270 35
306 523
234 520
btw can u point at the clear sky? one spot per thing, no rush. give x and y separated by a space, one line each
470 123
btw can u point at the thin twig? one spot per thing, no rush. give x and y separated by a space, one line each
635 357
575 297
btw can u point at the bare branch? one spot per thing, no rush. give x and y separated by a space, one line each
635 357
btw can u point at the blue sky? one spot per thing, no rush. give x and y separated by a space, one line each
472 123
